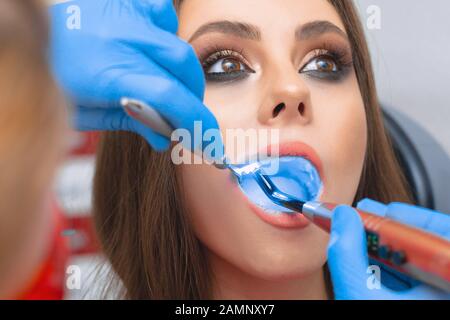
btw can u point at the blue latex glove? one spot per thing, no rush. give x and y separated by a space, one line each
127 48
348 258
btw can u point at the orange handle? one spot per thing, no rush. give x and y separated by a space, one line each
404 247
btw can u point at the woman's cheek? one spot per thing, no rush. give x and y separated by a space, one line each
344 148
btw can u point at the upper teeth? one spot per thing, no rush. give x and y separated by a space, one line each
271 211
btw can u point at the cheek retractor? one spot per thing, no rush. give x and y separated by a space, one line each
294 179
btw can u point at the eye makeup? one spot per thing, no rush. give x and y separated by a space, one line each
222 64
331 62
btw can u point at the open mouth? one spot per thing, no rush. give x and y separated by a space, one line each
295 176
293 173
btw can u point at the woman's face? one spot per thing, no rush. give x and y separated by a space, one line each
274 66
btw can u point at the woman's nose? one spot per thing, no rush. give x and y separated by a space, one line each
287 101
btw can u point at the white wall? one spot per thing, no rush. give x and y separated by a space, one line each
411 57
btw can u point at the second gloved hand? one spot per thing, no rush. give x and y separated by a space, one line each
104 50
348 258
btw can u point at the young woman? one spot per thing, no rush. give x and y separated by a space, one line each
186 232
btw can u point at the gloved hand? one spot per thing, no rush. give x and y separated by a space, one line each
348 258
127 48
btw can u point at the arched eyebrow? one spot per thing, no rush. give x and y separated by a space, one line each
238 29
317 28
251 32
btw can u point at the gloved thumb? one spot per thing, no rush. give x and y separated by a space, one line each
347 254
161 12
423 292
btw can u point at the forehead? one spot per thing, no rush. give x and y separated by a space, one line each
271 16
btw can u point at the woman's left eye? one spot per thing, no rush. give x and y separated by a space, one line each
323 64
323 67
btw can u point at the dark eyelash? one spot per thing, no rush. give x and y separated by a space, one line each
338 53
214 53
209 50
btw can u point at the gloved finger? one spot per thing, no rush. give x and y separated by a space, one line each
175 56
175 103
426 219
163 14
95 119
372 206
158 142
160 12
423 292
347 253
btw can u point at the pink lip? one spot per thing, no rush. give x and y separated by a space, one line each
298 149
289 220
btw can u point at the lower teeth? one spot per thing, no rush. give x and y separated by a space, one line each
270 211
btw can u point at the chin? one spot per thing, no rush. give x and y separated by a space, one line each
281 265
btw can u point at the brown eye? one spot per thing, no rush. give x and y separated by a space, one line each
231 65
322 64
226 65
325 65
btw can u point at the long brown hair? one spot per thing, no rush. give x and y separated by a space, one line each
139 212
32 120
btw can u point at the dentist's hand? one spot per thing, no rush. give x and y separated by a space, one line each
104 50
348 258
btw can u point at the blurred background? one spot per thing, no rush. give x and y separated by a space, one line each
409 46
412 70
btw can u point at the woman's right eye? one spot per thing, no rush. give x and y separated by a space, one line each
225 67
